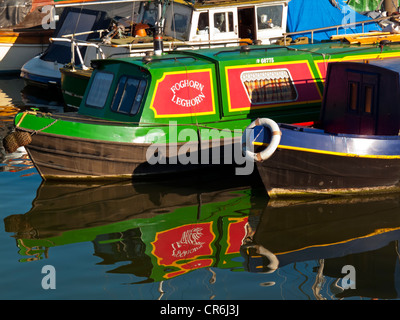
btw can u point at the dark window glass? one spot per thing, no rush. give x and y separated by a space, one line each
353 96
128 95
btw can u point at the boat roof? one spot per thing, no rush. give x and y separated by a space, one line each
390 64
326 50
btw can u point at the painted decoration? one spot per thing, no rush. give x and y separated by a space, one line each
182 94
273 85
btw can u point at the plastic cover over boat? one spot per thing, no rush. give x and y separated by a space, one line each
13 12
312 14
75 20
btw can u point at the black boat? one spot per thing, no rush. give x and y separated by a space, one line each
355 147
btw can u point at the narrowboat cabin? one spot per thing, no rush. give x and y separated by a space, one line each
310 59
355 148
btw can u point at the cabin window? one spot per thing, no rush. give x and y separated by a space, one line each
223 22
204 24
368 98
99 89
230 21
353 96
180 23
269 17
128 95
220 22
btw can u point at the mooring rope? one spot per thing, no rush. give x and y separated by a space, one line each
32 131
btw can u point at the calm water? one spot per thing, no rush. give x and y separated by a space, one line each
196 239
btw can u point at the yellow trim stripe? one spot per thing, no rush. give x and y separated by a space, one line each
370 235
340 154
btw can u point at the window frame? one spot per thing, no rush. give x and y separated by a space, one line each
259 14
140 86
108 91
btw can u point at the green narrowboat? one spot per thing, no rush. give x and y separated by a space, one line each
180 111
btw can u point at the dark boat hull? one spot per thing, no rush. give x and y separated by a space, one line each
310 161
299 173
59 157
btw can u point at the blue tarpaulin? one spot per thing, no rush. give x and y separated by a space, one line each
312 14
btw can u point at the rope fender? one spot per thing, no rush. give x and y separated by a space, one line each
20 137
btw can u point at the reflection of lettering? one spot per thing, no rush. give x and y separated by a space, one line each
269 86
187 84
188 244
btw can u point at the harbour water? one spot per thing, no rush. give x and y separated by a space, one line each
199 238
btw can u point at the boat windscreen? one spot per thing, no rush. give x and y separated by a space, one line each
75 21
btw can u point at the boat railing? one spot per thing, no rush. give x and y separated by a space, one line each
337 27
210 44
72 35
76 44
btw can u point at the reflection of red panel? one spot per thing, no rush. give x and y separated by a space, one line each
181 94
193 265
236 234
183 243
299 79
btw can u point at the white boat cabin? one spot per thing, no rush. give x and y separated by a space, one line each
216 21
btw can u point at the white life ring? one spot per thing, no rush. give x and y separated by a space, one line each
273 145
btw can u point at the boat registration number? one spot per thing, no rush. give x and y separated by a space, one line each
266 60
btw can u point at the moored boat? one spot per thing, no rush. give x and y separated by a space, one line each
86 22
25 29
355 148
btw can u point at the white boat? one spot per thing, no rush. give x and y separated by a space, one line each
25 29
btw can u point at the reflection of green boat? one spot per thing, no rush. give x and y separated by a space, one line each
159 231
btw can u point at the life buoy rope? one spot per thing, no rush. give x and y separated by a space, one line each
273 145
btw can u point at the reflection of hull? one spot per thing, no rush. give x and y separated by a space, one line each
328 228
161 230
358 233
